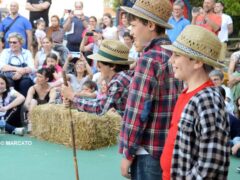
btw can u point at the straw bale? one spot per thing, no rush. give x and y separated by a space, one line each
52 123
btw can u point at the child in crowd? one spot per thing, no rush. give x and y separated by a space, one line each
89 90
10 99
217 77
52 62
102 90
40 31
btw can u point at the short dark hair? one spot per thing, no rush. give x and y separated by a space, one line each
90 84
117 67
127 34
208 68
47 73
222 3
159 30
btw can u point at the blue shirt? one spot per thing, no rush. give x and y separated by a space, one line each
178 26
20 26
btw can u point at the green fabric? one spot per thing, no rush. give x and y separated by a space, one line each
109 56
47 161
236 88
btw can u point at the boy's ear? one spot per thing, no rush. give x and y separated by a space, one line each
198 64
151 26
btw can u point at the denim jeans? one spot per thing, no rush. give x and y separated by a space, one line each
145 167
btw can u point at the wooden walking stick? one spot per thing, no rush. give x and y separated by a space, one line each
72 132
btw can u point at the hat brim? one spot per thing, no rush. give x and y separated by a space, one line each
160 22
203 59
98 57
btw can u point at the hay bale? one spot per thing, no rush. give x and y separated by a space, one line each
52 123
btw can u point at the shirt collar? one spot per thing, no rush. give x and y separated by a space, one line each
160 40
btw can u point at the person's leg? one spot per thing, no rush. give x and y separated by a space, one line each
9 128
24 85
145 167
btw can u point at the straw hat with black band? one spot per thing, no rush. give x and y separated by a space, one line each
200 44
112 51
157 11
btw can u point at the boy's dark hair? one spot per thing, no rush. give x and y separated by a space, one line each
207 68
159 30
90 84
127 34
117 67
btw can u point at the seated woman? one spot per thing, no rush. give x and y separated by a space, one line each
41 92
10 99
17 64
47 48
82 73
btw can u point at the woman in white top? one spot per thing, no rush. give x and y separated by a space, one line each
82 73
47 48
109 31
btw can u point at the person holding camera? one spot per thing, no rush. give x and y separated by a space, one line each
74 27
16 64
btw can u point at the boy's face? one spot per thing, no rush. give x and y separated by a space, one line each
216 80
140 32
86 89
183 67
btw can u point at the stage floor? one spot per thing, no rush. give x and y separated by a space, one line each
26 158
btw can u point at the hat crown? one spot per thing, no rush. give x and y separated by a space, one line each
115 48
159 8
201 40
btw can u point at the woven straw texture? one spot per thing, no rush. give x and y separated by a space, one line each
199 43
52 123
157 11
112 48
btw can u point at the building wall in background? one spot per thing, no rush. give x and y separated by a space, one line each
91 7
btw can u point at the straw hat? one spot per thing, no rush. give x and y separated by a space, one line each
112 51
199 43
157 11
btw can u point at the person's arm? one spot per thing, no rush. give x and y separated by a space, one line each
215 26
97 106
89 70
52 96
139 104
29 39
83 43
37 7
29 97
236 148
213 136
19 99
86 94
68 23
230 28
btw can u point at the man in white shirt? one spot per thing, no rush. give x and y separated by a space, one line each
227 23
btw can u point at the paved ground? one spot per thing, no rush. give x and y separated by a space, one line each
38 160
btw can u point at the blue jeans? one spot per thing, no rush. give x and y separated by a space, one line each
145 167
